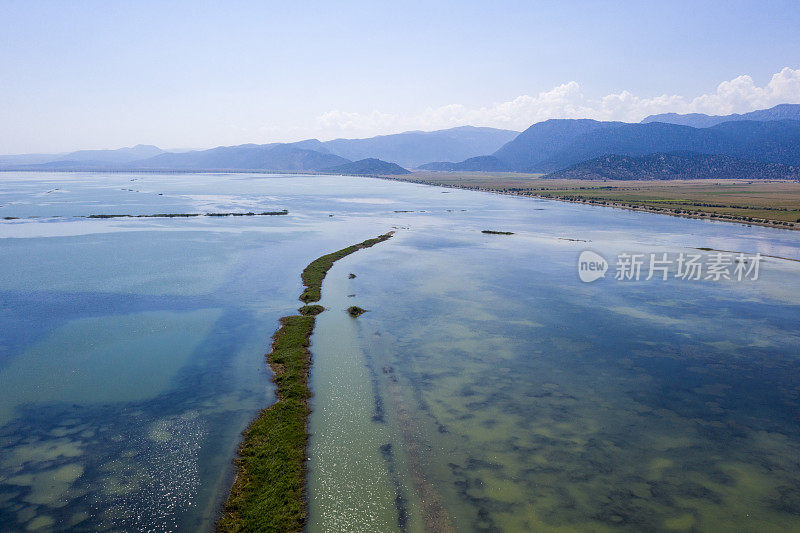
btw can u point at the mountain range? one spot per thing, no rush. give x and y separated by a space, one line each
765 143
403 149
700 120
414 148
280 157
676 165
560 143
118 156
556 144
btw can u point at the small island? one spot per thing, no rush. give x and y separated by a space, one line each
355 311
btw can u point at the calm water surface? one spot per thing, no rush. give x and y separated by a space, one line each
486 389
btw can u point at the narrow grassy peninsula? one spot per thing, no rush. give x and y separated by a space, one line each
315 272
269 491
493 232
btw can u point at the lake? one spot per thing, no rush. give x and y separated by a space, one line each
486 388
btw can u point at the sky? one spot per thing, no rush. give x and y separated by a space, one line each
195 74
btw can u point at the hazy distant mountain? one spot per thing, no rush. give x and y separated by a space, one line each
308 144
279 157
26 159
66 165
408 149
369 166
676 165
121 155
484 163
94 157
767 136
699 120
413 148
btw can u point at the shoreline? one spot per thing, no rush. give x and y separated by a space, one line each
269 488
682 213
697 214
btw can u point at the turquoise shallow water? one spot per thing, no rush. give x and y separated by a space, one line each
486 388
525 400
131 350
531 407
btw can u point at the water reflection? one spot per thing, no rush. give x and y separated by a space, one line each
539 403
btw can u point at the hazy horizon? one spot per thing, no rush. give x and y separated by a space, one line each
101 75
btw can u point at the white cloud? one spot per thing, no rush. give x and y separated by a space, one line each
742 94
738 95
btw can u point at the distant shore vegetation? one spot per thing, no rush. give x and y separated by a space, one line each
774 203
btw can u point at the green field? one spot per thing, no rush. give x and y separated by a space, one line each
762 202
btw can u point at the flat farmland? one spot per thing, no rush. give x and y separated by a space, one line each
769 202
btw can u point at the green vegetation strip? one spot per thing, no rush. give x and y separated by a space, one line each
315 272
168 215
269 491
186 215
